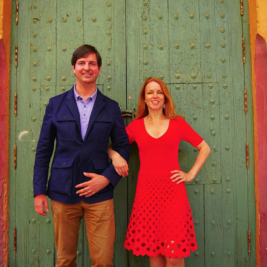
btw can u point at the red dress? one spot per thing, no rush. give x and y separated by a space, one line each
161 221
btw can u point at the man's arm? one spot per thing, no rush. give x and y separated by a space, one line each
42 159
120 142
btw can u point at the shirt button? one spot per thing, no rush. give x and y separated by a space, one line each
83 114
85 106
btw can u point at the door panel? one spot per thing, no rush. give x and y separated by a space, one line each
196 48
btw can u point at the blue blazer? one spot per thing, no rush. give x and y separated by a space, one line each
73 156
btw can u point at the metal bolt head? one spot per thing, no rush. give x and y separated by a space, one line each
34 79
191 16
213 223
160 16
49 49
207 15
145 76
108 33
145 47
228 254
221 1
64 78
48 78
196 181
45 103
109 88
48 251
176 16
35 6
196 254
177 87
223 45
222 30
192 46
222 15
34 63
79 253
145 3
145 32
212 117
223 59
34 20
224 75
209 75
34 35
64 19
109 48
145 62
210 85
195 118
193 76
227 178
78 19
227 148
212 191
207 45
177 46
228 191
33 119
33 220
229 222
212 101
177 76
63 88
212 254
161 47
144 18
213 164
213 133
108 78
197 222
226 116
34 49
194 86
161 77
108 4
50 20
109 18
225 85
34 88
33 251
214 179
48 221
108 63
196 191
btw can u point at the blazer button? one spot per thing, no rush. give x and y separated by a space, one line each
103 118
66 117
64 163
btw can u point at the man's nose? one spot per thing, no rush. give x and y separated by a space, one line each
86 66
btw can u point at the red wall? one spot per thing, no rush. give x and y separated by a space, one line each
261 102
3 108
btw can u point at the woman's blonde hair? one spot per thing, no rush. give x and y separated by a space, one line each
169 110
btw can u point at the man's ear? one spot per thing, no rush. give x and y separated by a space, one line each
73 68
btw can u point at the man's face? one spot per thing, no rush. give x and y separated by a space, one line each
86 69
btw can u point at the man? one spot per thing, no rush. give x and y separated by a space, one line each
82 180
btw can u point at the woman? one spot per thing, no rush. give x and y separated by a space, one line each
161 224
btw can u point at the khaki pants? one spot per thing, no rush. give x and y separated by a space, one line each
100 227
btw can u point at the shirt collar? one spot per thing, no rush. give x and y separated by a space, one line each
78 97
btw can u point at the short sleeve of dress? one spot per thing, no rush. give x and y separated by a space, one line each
130 132
189 135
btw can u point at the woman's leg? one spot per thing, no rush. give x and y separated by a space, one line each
158 261
175 262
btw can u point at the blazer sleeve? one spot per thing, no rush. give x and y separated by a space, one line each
120 143
44 152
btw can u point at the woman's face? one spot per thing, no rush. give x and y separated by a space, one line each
154 96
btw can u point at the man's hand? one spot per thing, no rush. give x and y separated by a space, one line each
91 187
40 201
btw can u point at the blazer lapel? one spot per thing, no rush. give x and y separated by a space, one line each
99 104
71 103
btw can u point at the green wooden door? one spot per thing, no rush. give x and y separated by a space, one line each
196 48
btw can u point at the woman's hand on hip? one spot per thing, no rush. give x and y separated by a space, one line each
179 177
